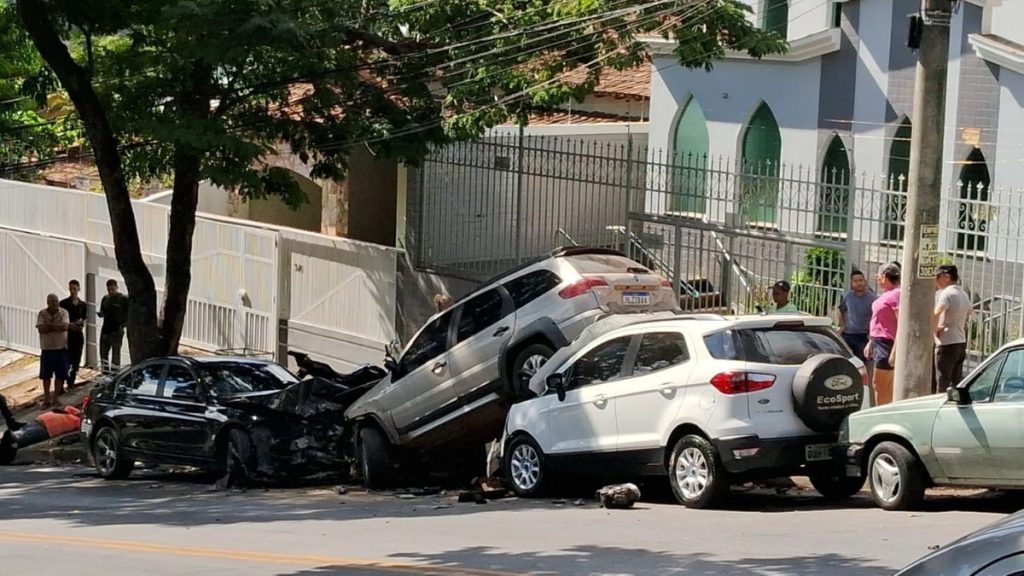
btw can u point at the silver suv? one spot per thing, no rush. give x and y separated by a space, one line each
452 385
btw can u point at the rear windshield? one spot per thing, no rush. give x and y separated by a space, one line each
604 264
786 346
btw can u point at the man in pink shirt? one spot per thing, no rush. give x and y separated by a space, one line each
882 331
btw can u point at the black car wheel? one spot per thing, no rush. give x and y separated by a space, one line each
835 486
524 467
526 364
111 462
697 477
236 458
375 459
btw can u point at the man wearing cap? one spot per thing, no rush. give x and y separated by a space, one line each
952 310
780 295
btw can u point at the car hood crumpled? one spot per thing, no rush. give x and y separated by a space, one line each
603 326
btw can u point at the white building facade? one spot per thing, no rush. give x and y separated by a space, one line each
837 108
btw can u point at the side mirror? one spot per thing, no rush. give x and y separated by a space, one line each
958 396
556 382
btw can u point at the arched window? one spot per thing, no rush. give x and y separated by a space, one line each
776 17
762 149
689 181
972 211
895 216
834 191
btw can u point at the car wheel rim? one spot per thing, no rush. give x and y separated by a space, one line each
885 478
531 366
525 464
692 473
106 453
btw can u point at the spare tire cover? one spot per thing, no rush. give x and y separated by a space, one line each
826 389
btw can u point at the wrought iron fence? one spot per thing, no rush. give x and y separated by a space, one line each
723 230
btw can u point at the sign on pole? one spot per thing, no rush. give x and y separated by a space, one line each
928 257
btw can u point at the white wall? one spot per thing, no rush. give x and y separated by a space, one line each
1007 20
1008 177
807 17
729 95
212 200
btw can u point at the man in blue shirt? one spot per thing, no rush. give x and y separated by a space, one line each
855 314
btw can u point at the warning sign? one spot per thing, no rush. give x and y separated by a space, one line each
928 257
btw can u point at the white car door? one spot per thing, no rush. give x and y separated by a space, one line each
648 399
584 422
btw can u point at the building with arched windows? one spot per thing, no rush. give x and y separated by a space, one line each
837 108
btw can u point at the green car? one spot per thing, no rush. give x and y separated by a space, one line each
971 436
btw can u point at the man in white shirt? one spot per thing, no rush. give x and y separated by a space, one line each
952 310
52 324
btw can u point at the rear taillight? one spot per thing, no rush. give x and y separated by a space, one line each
581 287
730 383
86 402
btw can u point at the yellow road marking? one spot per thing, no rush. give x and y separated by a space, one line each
244 555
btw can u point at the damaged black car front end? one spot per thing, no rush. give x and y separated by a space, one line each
236 417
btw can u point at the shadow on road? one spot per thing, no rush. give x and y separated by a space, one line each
76 495
613 560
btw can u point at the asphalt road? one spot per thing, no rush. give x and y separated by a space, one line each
65 521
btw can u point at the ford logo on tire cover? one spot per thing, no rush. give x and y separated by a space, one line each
838 382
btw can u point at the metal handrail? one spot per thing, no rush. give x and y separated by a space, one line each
563 233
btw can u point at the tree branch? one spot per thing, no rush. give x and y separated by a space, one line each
381 43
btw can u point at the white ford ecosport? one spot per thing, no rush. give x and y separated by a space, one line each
707 400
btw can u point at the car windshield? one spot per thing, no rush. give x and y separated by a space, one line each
234 378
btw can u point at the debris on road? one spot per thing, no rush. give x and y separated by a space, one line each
341 490
579 502
474 496
618 496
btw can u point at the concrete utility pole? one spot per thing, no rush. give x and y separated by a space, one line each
915 339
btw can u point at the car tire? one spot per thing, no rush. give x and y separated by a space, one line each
696 474
835 486
235 465
110 460
375 462
527 362
524 467
896 477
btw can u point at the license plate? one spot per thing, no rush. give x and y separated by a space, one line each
818 452
636 298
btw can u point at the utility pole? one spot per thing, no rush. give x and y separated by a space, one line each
915 339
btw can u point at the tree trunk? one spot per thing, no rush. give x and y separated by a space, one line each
178 281
143 336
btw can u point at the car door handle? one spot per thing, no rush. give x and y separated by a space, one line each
501 331
667 388
601 400
439 367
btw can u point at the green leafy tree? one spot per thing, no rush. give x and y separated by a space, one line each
206 90
30 130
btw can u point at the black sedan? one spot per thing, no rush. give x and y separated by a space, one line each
239 418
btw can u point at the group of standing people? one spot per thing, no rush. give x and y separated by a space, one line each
61 327
869 323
